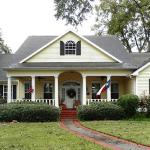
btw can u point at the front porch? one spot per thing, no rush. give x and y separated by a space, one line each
68 89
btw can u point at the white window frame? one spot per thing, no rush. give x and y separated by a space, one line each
6 92
73 48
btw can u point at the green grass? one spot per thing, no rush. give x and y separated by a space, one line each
138 131
41 136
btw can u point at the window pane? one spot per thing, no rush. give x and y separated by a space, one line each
14 92
48 91
27 95
70 48
78 93
114 90
27 85
47 95
114 95
95 89
5 88
1 91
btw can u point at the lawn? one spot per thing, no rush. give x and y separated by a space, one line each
138 131
41 136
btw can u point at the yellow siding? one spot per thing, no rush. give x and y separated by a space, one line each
88 52
142 82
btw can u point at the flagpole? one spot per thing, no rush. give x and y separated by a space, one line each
109 89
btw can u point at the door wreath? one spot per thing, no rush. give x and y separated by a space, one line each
71 93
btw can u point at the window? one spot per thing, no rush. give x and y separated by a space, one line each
114 90
27 86
48 91
95 89
70 48
3 91
14 91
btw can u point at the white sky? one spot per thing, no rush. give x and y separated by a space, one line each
22 18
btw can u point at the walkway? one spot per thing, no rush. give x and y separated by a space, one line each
114 143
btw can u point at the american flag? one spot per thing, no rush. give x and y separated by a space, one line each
30 90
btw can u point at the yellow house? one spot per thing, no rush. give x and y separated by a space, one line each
70 69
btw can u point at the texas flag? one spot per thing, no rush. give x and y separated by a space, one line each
104 88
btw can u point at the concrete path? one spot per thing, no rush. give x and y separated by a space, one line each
99 138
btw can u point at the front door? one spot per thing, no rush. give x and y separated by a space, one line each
70 93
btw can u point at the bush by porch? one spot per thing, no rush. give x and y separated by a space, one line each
28 112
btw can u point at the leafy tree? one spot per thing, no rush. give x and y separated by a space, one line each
72 11
3 47
128 19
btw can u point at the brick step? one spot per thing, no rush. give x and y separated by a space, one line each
68 110
68 114
68 117
74 113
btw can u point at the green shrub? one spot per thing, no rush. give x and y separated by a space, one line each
28 112
100 111
3 101
145 104
129 103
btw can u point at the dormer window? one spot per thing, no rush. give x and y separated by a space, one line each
70 48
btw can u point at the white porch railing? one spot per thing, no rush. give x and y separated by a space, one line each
99 100
48 101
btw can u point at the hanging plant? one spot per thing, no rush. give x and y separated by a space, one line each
71 93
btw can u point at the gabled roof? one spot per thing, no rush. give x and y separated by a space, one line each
5 61
81 37
144 64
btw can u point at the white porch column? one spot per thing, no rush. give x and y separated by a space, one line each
33 88
109 89
9 90
84 90
56 91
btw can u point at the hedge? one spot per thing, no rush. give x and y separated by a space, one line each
28 112
129 103
3 101
100 111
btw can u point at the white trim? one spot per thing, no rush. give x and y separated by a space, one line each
88 41
99 75
84 90
140 69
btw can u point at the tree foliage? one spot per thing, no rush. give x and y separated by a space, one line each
128 19
3 47
72 11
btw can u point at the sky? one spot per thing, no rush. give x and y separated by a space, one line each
22 18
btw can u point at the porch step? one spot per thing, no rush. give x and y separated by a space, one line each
68 114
